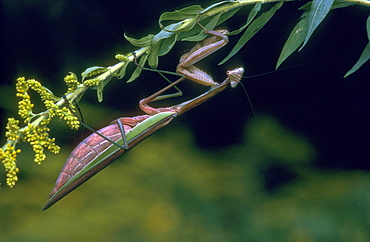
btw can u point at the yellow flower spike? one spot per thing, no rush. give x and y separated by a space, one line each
121 57
49 104
12 129
45 94
71 82
21 85
8 156
92 82
25 108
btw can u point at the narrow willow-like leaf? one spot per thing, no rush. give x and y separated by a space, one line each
217 5
187 12
319 9
99 92
196 30
121 73
299 33
212 24
224 15
156 46
368 27
101 87
187 17
336 4
223 6
365 56
142 42
162 43
295 39
201 35
92 71
167 45
138 69
252 14
253 28
227 15
153 57
161 36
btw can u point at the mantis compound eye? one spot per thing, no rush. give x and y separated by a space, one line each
235 76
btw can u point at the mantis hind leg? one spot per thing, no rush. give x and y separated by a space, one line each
154 97
161 73
119 123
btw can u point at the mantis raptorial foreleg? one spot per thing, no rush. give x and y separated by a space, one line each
200 51
186 67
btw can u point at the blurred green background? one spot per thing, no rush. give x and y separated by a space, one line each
298 172
167 189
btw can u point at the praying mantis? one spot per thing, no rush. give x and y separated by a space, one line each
102 147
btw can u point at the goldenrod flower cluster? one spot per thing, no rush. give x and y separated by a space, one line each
36 131
38 137
121 57
8 154
71 81
92 82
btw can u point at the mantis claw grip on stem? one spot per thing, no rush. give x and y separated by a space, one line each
102 147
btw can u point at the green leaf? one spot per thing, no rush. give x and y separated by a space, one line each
226 15
252 14
184 36
319 10
187 12
295 39
138 69
299 33
336 4
99 92
368 27
201 35
153 57
253 28
365 56
223 6
100 87
92 71
167 44
163 34
156 46
212 24
162 43
143 42
216 6
187 17
121 73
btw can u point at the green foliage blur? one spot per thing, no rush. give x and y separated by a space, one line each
167 189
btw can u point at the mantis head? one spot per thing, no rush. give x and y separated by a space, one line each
235 76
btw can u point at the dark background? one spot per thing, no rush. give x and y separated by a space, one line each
46 40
